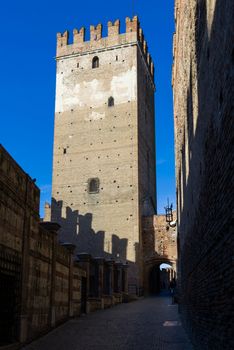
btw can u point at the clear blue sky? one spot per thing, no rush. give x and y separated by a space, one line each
28 39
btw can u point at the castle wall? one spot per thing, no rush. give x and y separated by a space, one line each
165 238
159 245
41 284
203 111
146 140
36 273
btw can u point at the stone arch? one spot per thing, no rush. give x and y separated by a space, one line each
156 280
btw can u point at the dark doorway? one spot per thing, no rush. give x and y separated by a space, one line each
83 295
154 280
116 280
160 277
107 281
123 281
8 313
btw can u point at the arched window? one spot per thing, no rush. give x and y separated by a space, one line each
95 62
93 185
111 101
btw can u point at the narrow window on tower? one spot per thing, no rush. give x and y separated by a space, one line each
64 151
95 62
93 185
111 101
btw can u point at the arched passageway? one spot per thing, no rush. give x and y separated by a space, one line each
160 277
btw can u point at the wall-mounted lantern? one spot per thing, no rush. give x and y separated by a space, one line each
169 214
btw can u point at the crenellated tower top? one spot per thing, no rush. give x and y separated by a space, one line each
133 35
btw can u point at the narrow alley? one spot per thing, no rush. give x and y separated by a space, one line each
151 323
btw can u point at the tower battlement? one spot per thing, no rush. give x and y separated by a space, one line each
133 34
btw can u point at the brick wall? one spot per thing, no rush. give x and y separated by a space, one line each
203 73
41 282
32 263
159 245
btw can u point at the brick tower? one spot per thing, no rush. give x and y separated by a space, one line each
104 141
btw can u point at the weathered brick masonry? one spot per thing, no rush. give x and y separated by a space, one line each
203 80
41 283
159 242
104 147
36 273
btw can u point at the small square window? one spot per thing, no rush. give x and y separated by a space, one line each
111 101
93 185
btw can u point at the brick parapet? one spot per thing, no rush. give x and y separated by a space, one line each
18 184
79 46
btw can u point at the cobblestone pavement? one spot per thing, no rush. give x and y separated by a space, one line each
151 323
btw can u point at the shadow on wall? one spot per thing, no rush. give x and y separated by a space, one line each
206 218
77 229
211 135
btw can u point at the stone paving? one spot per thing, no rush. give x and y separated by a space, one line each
151 323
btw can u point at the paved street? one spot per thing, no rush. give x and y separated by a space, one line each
151 323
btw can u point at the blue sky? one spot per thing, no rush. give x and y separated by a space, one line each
28 40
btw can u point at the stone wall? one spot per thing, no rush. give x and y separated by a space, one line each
203 80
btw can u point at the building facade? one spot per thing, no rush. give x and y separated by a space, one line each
104 141
203 80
